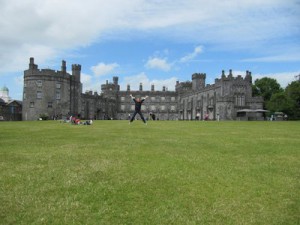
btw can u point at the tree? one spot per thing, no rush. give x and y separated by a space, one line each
280 102
292 91
266 87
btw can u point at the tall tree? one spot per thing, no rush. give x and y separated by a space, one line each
280 102
266 87
292 91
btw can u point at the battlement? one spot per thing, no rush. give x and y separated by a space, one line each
199 76
230 77
46 72
76 67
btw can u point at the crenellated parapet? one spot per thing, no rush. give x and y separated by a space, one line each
183 86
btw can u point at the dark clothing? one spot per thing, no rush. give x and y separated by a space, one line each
138 106
141 115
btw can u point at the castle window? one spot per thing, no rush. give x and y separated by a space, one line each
122 107
122 99
31 104
58 85
39 83
152 108
243 100
153 98
173 99
163 107
39 95
24 95
57 95
49 104
173 108
163 98
239 100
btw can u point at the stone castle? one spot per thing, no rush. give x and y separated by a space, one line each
58 94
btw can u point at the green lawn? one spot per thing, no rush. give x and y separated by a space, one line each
168 172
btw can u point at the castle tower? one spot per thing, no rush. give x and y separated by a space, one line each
248 76
141 87
116 83
152 87
75 90
76 70
63 67
32 66
198 81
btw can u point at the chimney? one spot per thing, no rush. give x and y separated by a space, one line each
152 87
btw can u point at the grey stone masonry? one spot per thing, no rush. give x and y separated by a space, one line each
59 94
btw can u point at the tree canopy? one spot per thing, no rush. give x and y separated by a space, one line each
278 99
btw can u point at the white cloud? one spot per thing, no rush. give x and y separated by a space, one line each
293 57
198 50
158 63
134 82
104 69
49 28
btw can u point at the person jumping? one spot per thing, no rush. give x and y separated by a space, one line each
138 105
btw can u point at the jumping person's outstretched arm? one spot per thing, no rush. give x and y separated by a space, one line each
145 97
132 96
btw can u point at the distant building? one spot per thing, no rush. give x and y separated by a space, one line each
58 94
4 94
9 109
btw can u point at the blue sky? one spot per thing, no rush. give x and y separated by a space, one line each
150 41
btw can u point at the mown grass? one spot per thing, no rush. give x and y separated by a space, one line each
168 172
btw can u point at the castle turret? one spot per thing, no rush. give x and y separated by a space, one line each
76 70
116 84
32 66
128 87
63 66
141 87
223 74
248 76
230 74
152 87
198 81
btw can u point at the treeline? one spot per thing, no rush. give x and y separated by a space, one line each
278 99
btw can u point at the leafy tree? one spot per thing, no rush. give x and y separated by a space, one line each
280 102
266 87
292 91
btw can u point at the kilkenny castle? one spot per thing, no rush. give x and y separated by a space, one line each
59 94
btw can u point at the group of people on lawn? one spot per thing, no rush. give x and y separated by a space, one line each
138 106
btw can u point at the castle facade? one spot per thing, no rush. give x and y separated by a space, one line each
58 94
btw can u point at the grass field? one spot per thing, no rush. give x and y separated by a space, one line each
168 172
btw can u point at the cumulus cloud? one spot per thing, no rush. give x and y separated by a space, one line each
158 63
198 50
51 27
135 80
104 69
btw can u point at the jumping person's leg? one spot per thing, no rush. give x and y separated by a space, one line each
132 118
141 115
